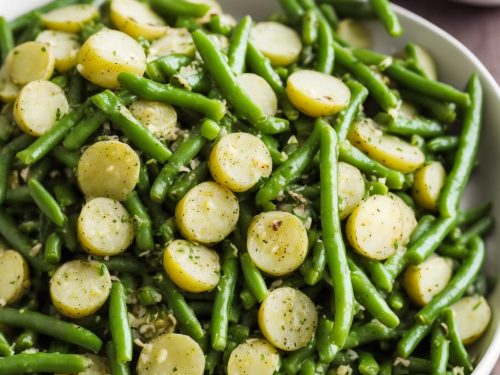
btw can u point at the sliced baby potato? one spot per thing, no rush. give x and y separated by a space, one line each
317 94
354 33
375 227
260 91
8 90
176 40
79 288
427 185
137 19
277 242
34 96
108 169
105 227
208 213
239 160
408 219
30 61
94 365
422 282
351 188
408 110
70 18
473 315
423 60
193 267
279 43
108 53
171 354
254 356
14 277
288 318
389 150
64 45
159 118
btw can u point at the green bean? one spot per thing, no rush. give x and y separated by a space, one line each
440 350
313 267
24 20
142 222
41 169
353 9
261 65
167 230
444 112
271 143
466 153
254 280
32 30
345 118
5 348
26 340
148 295
310 27
166 66
479 228
308 367
61 81
443 144
386 368
396 300
46 202
188 180
210 129
381 277
118 323
326 349
89 29
238 45
457 348
375 188
68 233
368 365
116 367
20 194
292 9
330 14
6 38
75 88
247 298
53 247
124 264
412 338
65 195
42 362
219 25
6 128
369 332
474 214
57 346
387 16
453 251
178 8
402 125
291 363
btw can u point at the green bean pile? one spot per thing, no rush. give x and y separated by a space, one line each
223 197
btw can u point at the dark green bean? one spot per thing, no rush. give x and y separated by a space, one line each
291 364
292 9
75 88
440 350
116 367
5 348
326 349
313 267
369 332
20 194
310 27
178 8
345 118
386 15
402 125
381 277
411 338
368 365
188 180
457 348
53 247
479 228
443 144
26 340
219 25
118 323
46 202
164 67
238 45
330 14
65 195
142 222
472 215
254 280
6 38
259 64
42 362
124 264
444 112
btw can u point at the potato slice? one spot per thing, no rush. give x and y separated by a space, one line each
105 228
354 33
427 185
34 96
159 118
423 60
239 160
30 61
215 8
409 220
375 227
317 94
108 53
14 277
351 188
193 267
389 150
288 318
254 356
473 315
277 242
79 288
94 365
8 90
260 92
64 45
422 282
137 19
279 43
171 354
176 40
208 213
70 18
108 169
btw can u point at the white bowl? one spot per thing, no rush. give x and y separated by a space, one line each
456 64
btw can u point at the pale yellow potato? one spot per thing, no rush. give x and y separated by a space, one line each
193 267
14 277
176 40
317 94
277 242
351 188
94 365
215 8
208 213
70 18
239 160
137 19
254 356
375 227
159 118
260 92
171 354
79 288
408 110
64 45
426 62
428 183
108 53
108 169
422 282
30 61
279 43
288 318
34 96
8 90
408 219
473 315
354 33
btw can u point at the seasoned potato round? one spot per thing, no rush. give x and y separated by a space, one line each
473 315
239 160
36 95
105 227
260 92
279 43
408 219
375 227
70 18
422 282
288 318
254 356
159 118
64 45
94 365
14 276
208 213
429 180
108 53
176 40
137 19
108 169
354 33
351 188
30 61
8 90
317 94
193 267
277 242
79 288
171 354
